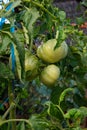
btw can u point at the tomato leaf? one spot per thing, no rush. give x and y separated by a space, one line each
19 53
4 43
5 72
62 15
64 93
54 111
29 18
38 123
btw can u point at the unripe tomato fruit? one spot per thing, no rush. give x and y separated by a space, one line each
31 61
47 53
49 75
31 66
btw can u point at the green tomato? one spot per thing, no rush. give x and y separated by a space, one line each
31 62
49 75
47 53
31 66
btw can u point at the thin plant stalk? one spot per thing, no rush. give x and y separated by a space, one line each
12 114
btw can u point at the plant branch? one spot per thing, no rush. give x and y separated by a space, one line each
42 7
16 120
63 115
11 100
8 110
60 110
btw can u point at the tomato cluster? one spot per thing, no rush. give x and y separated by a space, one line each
46 52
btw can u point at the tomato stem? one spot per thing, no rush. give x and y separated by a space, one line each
42 7
8 110
11 100
15 120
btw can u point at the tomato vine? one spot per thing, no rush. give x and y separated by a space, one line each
42 37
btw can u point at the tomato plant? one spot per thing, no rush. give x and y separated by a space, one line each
44 50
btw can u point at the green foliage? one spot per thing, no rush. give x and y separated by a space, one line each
54 111
39 123
64 106
64 93
76 115
5 72
4 43
84 3
29 18
21 126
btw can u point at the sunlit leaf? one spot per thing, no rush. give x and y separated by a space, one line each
64 94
